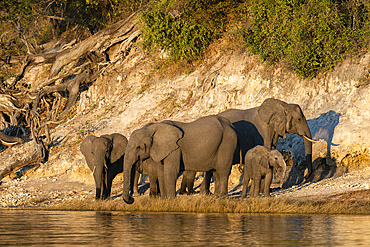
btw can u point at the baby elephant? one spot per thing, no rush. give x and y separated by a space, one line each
259 164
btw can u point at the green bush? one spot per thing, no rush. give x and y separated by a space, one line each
310 36
183 29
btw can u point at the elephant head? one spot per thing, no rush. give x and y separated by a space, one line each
100 153
155 141
276 160
287 118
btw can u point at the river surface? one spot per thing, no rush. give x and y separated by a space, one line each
66 228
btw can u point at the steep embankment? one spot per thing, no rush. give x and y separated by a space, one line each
130 95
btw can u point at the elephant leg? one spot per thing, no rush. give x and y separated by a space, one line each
188 182
262 185
268 179
136 183
98 177
204 188
251 190
217 183
153 180
257 183
171 169
153 186
184 184
190 185
223 184
107 184
160 184
245 184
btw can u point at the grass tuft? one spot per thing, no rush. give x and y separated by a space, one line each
212 204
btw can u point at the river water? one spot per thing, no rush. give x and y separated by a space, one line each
66 228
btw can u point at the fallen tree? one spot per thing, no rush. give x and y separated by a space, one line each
74 67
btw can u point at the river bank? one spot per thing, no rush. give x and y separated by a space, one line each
346 194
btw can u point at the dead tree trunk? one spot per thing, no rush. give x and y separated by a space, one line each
22 106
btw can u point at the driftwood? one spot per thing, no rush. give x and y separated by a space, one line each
74 65
35 159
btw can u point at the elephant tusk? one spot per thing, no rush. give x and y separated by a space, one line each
94 169
308 139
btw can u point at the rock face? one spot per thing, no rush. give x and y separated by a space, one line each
336 106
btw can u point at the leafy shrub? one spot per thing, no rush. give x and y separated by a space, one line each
183 29
309 35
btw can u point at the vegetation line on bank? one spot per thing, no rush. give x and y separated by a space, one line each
210 204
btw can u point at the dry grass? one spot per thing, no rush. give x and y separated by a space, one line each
211 204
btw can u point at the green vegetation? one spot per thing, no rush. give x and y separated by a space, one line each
212 204
183 29
309 36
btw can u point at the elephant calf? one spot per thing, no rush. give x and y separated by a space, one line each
259 163
150 168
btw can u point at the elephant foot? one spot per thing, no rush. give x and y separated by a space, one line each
129 200
191 192
136 194
182 192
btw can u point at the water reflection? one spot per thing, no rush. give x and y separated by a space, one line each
174 229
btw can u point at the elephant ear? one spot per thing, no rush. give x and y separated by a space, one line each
273 113
119 143
164 140
261 156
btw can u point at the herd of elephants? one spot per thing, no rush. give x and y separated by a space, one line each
210 144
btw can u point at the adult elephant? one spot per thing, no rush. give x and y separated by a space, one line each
104 156
264 125
205 144
260 163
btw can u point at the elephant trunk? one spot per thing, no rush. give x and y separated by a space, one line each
98 172
308 150
128 164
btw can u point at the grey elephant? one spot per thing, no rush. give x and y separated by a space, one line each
264 125
104 156
260 163
153 170
205 144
